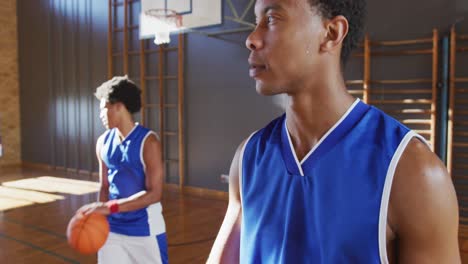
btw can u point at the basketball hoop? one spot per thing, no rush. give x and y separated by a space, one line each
162 22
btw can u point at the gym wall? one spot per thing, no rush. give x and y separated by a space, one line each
9 87
63 57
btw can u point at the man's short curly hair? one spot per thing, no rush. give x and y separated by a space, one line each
354 11
123 90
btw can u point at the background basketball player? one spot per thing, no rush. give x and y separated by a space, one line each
131 176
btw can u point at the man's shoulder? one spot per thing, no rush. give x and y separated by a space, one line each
419 159
104 136
423 189
274 125
376 113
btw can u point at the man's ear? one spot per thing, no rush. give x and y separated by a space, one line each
119 106
336 31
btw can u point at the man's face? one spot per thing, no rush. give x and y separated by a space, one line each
108 114
285 45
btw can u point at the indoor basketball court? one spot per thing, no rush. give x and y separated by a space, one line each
190 61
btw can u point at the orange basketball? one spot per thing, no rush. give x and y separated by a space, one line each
87 233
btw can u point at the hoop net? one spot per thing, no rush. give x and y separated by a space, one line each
163 22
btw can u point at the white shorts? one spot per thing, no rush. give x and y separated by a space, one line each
122 249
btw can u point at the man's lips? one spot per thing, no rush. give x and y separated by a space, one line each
256 69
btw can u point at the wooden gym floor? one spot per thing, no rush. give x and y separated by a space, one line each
36 205
43 202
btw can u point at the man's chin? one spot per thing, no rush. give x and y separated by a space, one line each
267 90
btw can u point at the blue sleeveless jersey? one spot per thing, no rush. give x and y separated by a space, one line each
126 176
332 206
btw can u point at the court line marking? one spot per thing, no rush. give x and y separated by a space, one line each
69 260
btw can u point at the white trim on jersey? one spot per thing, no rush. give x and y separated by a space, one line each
241 158
329 131
129 133
143 145
293 151
156 222
299 164
386 193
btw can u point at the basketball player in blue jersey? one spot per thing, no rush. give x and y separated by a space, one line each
131 177
333 180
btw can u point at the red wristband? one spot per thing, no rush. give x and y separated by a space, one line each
113 206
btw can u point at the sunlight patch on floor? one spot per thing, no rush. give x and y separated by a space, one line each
13 198
44 189
51 184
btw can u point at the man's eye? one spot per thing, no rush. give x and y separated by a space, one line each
270 19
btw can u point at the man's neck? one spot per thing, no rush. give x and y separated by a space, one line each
313 112
125 127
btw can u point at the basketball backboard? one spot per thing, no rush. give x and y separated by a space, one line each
194 14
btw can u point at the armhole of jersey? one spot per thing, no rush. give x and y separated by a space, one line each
241 159
100 144
143 146
101 139
386 192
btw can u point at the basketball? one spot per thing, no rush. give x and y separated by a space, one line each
87 233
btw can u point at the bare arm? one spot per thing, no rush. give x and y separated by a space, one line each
423 208
153 175
226 246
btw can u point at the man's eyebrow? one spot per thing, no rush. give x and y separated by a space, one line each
274 7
